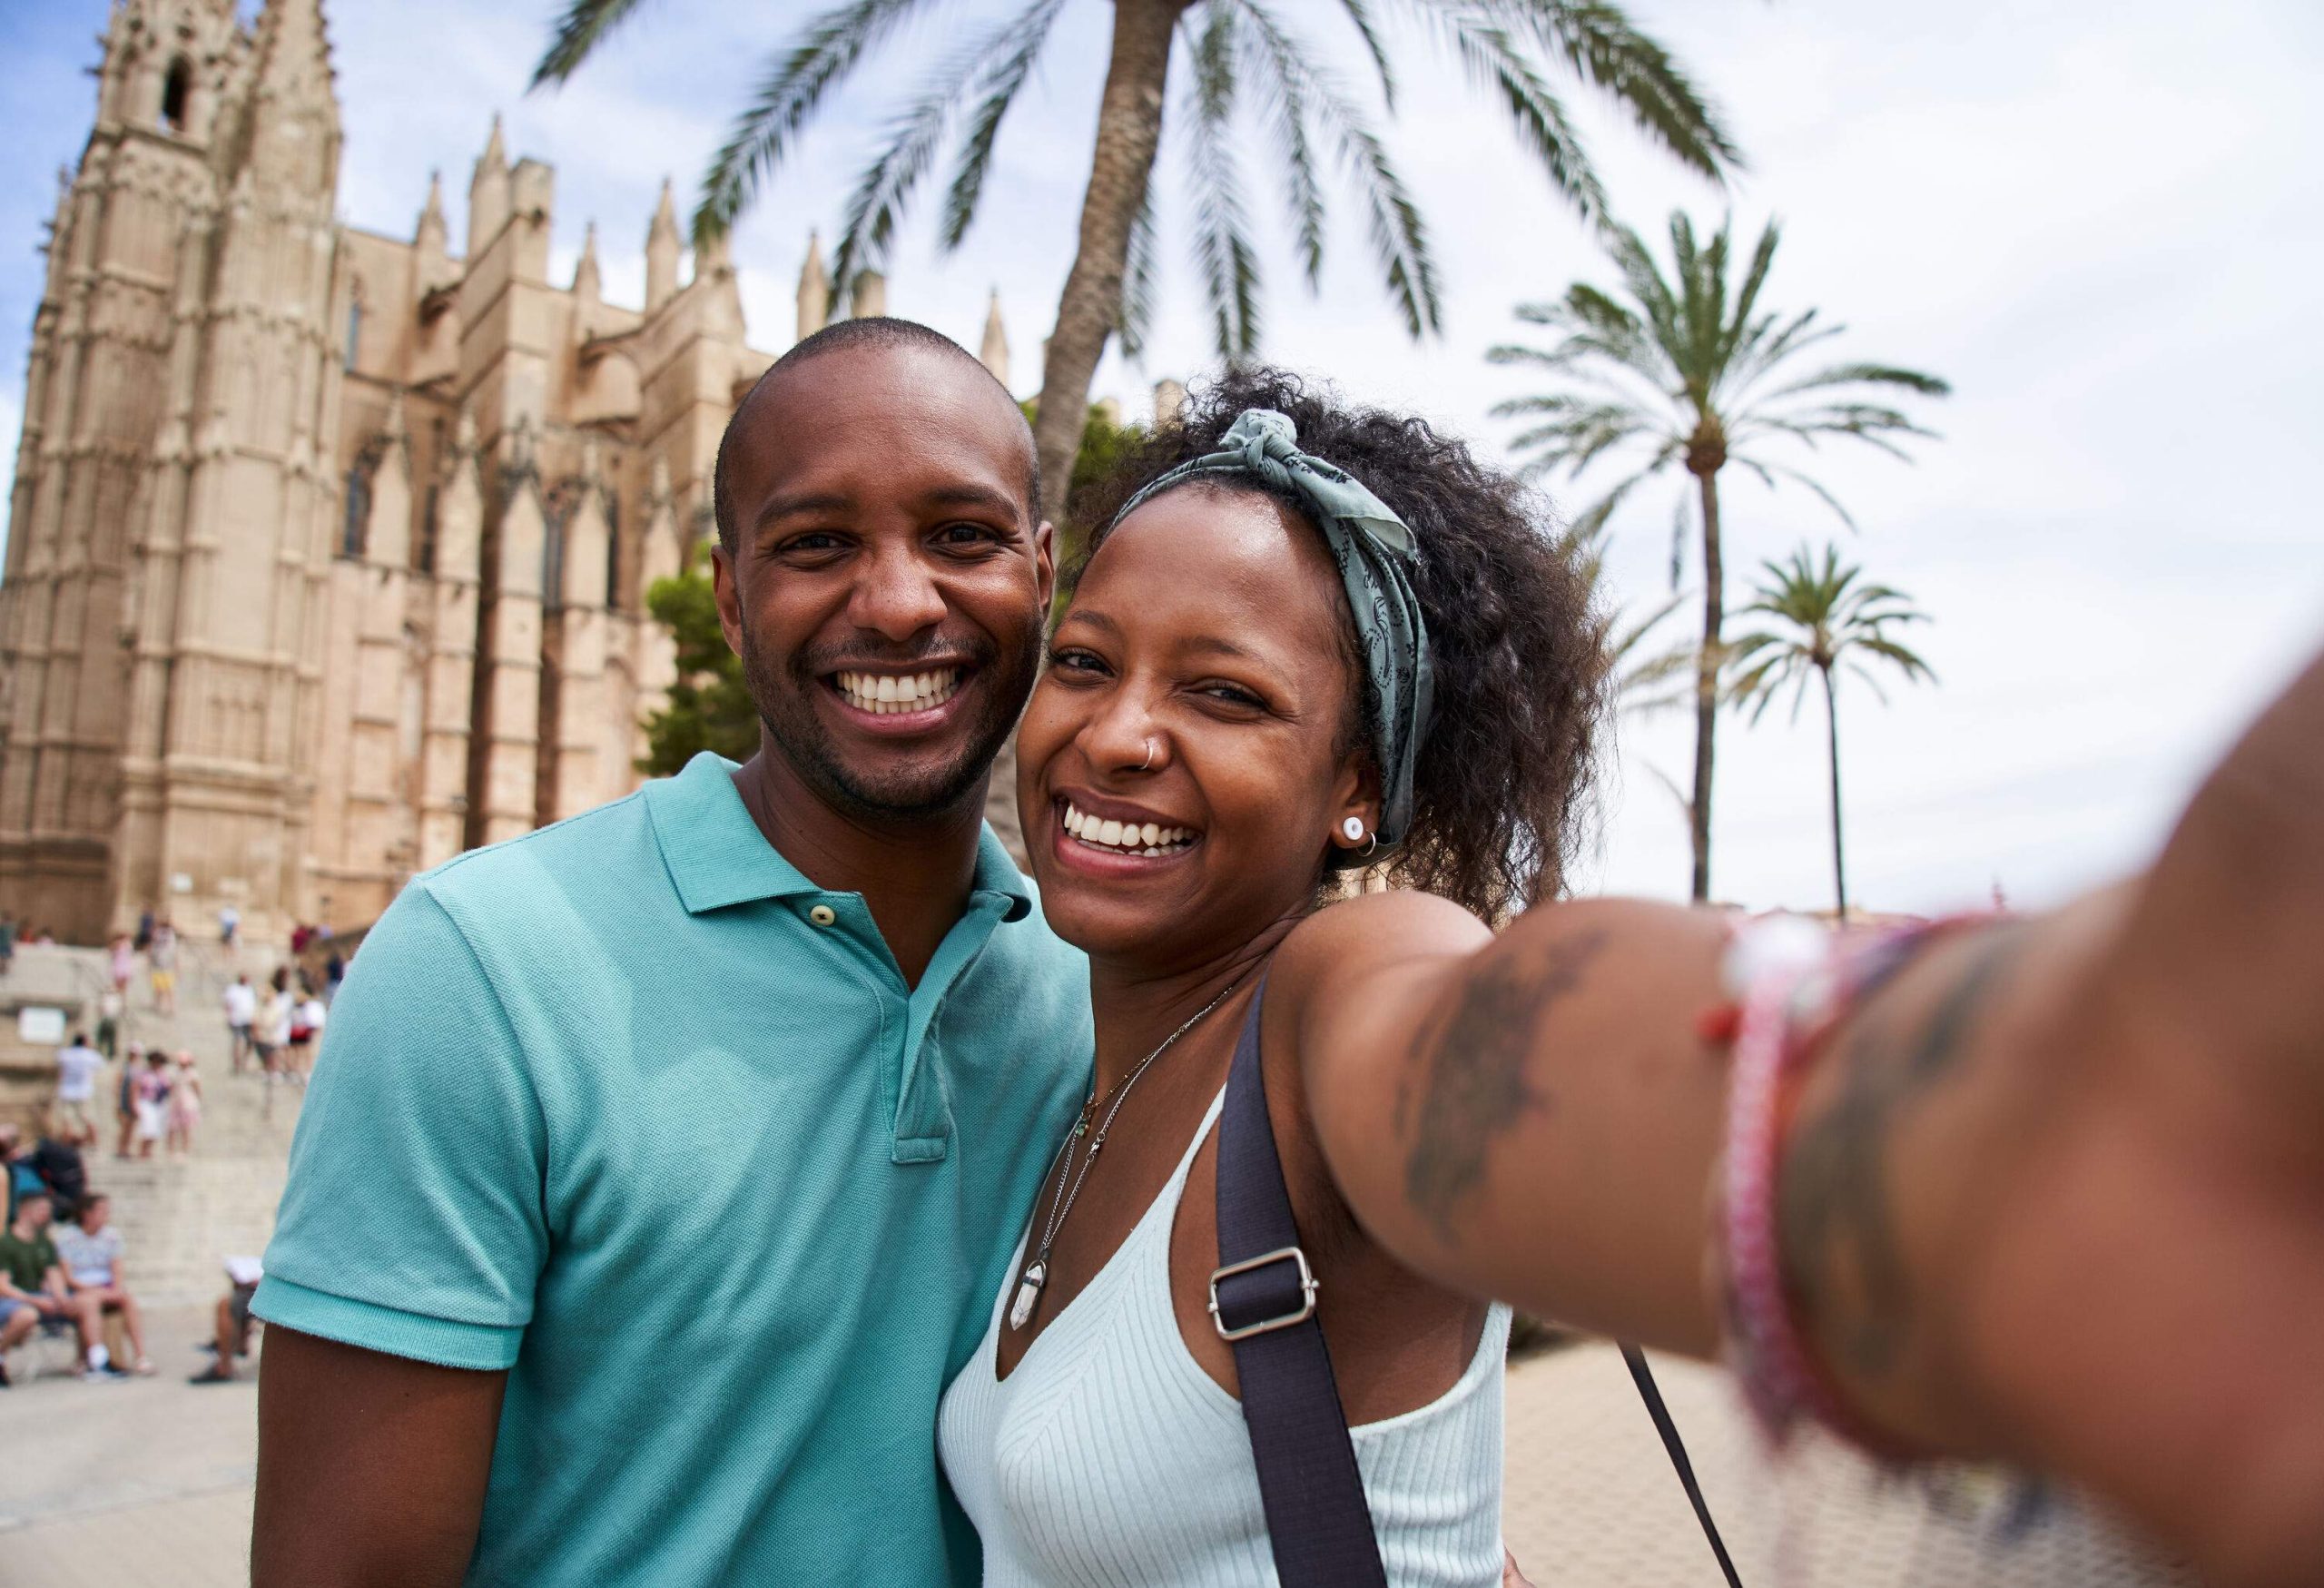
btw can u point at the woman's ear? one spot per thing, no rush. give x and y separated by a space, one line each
1357 804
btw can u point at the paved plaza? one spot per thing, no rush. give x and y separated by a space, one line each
147 1485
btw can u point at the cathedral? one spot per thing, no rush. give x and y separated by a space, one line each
328 549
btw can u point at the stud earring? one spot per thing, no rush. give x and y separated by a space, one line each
1353 828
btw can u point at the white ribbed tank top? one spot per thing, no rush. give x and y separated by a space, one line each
1109 1459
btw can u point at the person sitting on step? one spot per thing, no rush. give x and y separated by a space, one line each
90 1250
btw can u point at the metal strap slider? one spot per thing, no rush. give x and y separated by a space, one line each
1307 1289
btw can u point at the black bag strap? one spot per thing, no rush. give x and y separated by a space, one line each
1651 1393
1263 1301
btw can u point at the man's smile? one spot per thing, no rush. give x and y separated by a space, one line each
892 702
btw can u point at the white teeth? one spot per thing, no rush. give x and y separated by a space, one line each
1146 838
885 694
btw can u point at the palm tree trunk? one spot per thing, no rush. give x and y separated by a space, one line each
1129 129
1706 670
1832 746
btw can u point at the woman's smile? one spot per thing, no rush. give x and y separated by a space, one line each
1103 837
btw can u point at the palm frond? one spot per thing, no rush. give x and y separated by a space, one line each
1003 78
1284 91
1865 375
1399 236
869 223
829 47
584 26
1496 63
1222 242
1140 280
1359 14
1601 43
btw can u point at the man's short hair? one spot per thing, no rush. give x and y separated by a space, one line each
36 1194
877 330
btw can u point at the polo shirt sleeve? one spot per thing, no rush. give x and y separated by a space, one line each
413 1222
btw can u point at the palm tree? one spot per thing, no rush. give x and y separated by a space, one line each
1682 373
1823 620
1241 61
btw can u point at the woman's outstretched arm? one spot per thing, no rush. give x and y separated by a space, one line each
2054 1193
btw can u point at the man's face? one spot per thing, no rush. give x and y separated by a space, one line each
888 583
94 1217
36 1212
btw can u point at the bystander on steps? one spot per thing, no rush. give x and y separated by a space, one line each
180 1217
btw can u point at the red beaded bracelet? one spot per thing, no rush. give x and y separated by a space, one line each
1786 1006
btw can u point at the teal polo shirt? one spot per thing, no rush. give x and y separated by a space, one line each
630 1107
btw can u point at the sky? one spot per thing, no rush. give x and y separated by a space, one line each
2098 221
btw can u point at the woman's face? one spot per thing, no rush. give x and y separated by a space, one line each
1183 765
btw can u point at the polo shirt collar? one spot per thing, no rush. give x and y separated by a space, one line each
718 856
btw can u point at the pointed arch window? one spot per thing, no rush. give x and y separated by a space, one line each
354 331
359 511
177 89
613 551
428 534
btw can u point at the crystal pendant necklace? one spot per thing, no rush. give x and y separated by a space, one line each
1036 1272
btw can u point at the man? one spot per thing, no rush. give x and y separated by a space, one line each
77 1064
231 1321
33 1289
664 1163
89 1250
241 1008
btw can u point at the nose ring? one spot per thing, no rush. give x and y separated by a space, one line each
1147 765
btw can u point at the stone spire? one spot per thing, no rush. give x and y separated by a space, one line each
430 244
587 286
869 298
387 537
814 291
431 231
662 252
488 192
294 129
994 352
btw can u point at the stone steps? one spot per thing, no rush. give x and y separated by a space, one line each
180 1217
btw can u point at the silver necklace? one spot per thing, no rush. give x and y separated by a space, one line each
1036 1272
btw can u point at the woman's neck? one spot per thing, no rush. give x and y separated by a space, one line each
1136 1007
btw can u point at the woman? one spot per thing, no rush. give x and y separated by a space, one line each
1199 765
2046 1191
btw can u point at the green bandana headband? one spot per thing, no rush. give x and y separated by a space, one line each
1375 553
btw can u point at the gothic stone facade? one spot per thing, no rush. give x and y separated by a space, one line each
328 549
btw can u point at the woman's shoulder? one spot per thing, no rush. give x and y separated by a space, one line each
1352 937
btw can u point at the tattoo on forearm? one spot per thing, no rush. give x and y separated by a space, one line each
1468 1078
1834 1214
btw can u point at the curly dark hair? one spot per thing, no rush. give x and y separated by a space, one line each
1502 783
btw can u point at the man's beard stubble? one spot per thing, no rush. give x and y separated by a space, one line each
919 788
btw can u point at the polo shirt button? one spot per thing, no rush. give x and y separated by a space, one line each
823 915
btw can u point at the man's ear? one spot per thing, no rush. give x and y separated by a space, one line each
1045 565
726 590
